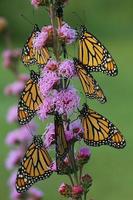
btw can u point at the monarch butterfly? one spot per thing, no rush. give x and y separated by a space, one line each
30 99
100 131
60 142
94 55
34 167
89 84
31 55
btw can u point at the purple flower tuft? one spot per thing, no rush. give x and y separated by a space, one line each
66 101
40 40
52 65
12 115
67 69
49 136
14 158
45 108
69 135
14 88
67 33
21 135
47 82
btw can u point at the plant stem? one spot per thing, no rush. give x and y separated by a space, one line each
70 177
55 36
85 195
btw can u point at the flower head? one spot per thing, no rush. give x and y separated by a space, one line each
35 193
10 57
37 3
12 115
66 101
67 69
76 128
86 181
52 65
21 135
53 166
14 158
40 40
48 82
69 135
14 88
83 156
67 34
45 108
3 24
12 180
49 136
65 190
77 191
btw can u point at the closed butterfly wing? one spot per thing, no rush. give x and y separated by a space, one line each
94 55
25 115
31 55
30 99
89 84
35 166
98 130
61 143
117 140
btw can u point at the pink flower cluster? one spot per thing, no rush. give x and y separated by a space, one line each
71 191
66 101
75 132
65 33
67 69
43 37
10 57
36 3
21 135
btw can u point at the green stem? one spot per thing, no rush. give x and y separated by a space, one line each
55 36
85 195
80 173
71 179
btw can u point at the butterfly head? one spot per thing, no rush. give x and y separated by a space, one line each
34 76
76 61
37 140
83 29
84 110
36 28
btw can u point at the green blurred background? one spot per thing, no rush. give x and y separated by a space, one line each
111 22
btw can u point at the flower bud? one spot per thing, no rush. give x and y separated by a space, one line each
65 190
77 191
83 155
38 3
3 24
86 181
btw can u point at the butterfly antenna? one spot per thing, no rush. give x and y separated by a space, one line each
79 18
26 19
